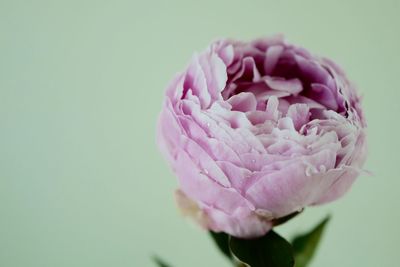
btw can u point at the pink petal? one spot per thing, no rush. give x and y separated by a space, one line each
292 86
300 114
271 58
291 188
243 102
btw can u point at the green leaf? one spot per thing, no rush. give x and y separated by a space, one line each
160 262
222 242
305 245
271 250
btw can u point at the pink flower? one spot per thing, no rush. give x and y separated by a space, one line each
256 131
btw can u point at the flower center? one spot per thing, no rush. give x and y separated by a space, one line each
289 74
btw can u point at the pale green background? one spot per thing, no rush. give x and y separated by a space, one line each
81 83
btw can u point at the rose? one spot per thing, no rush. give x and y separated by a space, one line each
256 131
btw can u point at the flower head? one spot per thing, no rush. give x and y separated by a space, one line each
258 130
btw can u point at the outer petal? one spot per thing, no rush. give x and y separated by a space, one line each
339 187
196 184
292 187
169 131
243 223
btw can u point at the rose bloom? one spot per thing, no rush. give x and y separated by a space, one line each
259 130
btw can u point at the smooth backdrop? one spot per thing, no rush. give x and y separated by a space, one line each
81 83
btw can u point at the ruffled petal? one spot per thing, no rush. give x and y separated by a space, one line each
243 102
